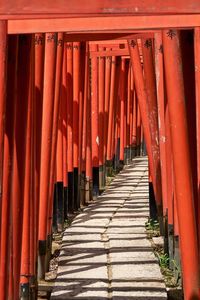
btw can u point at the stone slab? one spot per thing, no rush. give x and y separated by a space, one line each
105 252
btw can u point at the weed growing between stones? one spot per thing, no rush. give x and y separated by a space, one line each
169 269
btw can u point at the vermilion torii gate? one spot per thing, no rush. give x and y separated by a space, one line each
53 106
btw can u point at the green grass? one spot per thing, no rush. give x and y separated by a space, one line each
171 276
152 228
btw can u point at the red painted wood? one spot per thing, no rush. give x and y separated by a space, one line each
59 149
94 110
106 7
88 133
134 135
101 84
69 47
128 119
76 90
103 24
6 205
26 250
182 165
63 95
86 79
101 38
55 132
111 109
169 169
47 127
138 127
106 106
39 73
144 109
197 88
109 53
18 176
81 103
159 69
131 106
122 106
3 60
150 87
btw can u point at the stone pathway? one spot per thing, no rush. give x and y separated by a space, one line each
105 253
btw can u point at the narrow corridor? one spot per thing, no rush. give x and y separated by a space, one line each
105 252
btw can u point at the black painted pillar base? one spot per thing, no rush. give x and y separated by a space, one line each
121 164
88 190
82 188
55 207
91 189
76 200
95 176
109 168
171 245
79 191
127 158
33 288
165 235
70 192
141 149
130 153
60 207
144 152
116 163
101 178
65 192
177 259
138 150
152 203
116 158
25 291
104 171
161 220
48 252
42 250
133 151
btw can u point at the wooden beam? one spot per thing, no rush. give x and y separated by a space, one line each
40 8
102 24
110 43
123 52
98 37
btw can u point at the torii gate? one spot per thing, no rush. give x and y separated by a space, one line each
109 19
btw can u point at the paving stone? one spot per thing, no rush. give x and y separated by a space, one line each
137 295
131 214
68 237
129 223
99 257
105 252
84 245
132 243
158 241
154 284
130 229
76 289
80 272
132 257
136 271
86 229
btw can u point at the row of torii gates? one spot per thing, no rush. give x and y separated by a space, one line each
82 84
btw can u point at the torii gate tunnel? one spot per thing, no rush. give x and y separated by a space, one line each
83 84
